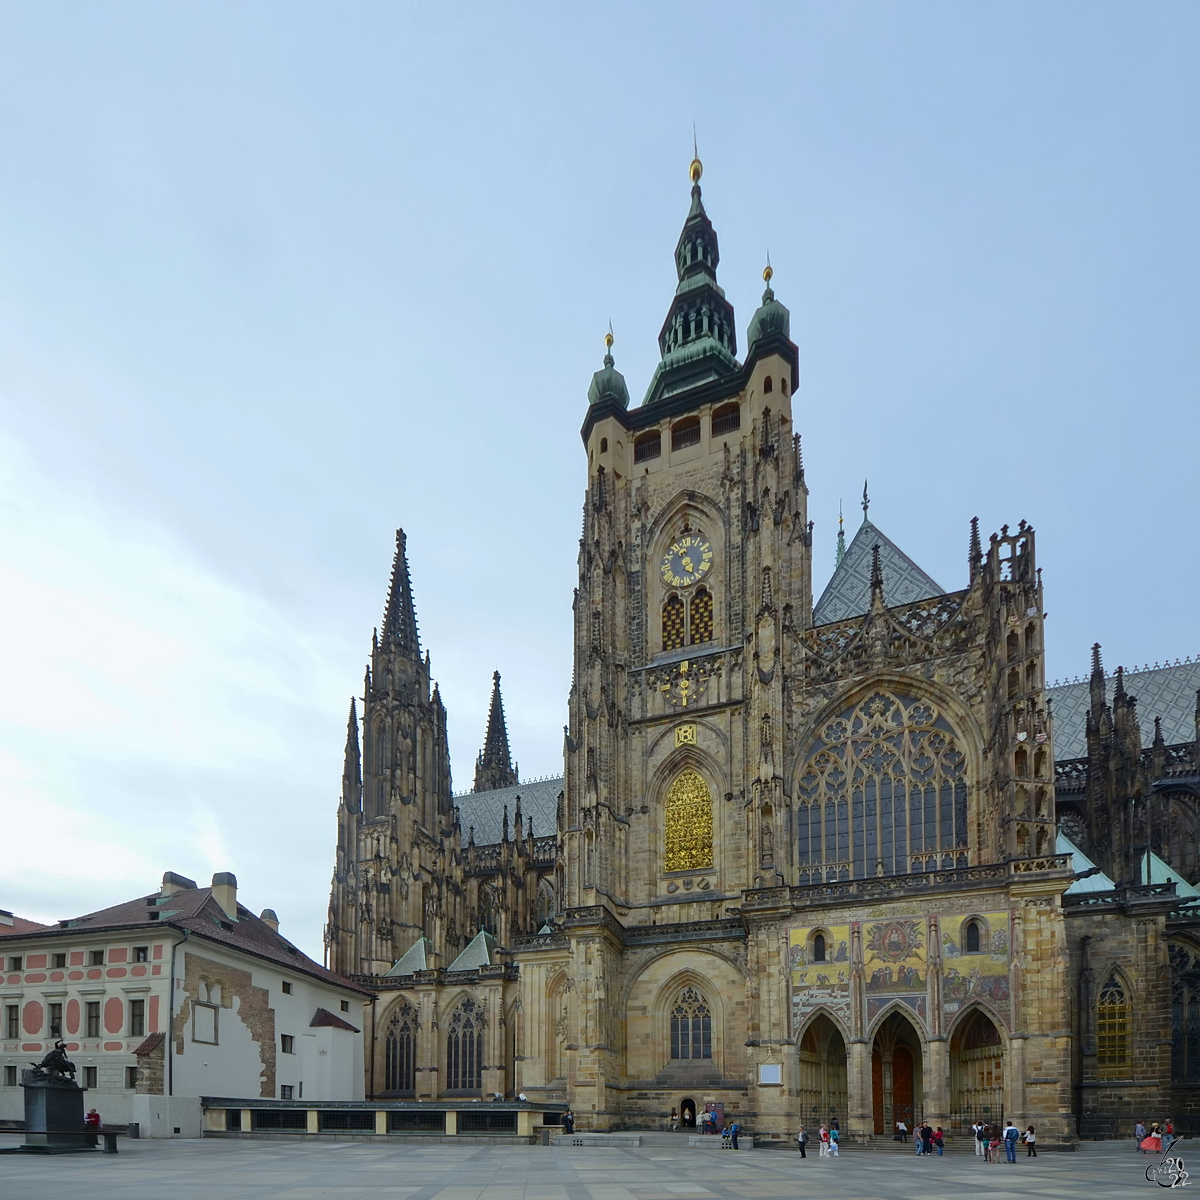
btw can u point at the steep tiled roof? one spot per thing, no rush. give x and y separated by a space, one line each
323 1017
1166 692
1080 863
195 910
415 958
13 924
476 953
848 592
485 810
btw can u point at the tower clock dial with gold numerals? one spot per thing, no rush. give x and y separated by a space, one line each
688 559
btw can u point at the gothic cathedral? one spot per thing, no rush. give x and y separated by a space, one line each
806 862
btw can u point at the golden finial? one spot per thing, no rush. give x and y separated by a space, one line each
697 167
608 337
767 272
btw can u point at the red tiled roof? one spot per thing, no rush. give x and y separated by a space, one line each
324 1017
151 1044
195 910
20 925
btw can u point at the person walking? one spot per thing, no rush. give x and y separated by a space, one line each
802 1141
734 1130
918 1142
1152 1142
939 1139
992 1134
1139 1136
1011 1133
1030 1143
977 1128
674 1120
833 1141
823 1135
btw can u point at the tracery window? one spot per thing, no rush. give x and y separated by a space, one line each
701 617
1113 1012
818 948
673 623
691 1026
883 792
1185 1013
464 1048
688 823
971 938
399 1059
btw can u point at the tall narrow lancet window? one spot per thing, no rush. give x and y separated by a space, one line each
701 617
464 1049
673 623
399 1064
1185 1012
883 791
688 823
1113 1012
691 1026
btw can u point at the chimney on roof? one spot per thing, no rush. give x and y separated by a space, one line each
6 918
268 917
224 890
173 883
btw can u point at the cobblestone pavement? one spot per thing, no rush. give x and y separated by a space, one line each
273 1170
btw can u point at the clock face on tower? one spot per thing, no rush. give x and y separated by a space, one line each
687 560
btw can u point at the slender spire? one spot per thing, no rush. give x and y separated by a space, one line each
975 553
400 618
876 578
866 503
493 767
841 545
352 770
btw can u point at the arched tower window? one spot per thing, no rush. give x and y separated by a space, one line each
818 948
767 385
726 419
691 1026
883 792
399 1062
688 823
701 617
673 623
971 938
464 1048
1113 1012
648 446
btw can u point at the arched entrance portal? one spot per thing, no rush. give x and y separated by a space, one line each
822 1073
687 1114
895 1074
976 1073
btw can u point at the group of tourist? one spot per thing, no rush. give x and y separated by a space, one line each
710 1123
990 1138
1151 1142
828 1137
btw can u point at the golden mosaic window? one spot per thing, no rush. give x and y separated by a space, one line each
673 621
883 792
688 823
1113 1012
701 617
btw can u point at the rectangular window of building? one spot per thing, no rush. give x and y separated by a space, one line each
204 1023
55 1020
10 1076
285 1091
97 958
131 1077
59 960
89 1077
93 1018
287 988
141 954
287 1043
345 1006
12 1021
137 1018
14 962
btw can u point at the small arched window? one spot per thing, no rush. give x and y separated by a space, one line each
673 623
818 948
1113 1012
1022 763
1014 682
726 419
464 1048
380 798
648 446
691 1026
767 385
399 1059
971 938
783 384
701 617
1013 646
685 433
604 445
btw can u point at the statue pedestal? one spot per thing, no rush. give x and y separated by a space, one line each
54 1115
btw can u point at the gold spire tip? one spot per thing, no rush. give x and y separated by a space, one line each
696 170
608 339
767 273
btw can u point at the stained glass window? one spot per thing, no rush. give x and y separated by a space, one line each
464 1048
400 1051
1112 1028
691 1026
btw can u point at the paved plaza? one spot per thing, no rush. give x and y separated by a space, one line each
231 1170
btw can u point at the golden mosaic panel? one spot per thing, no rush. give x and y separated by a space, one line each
688 823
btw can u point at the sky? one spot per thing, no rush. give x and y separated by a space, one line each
279 278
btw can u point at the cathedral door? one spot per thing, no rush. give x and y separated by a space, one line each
687 1114
822 1073
976 1073
895 1074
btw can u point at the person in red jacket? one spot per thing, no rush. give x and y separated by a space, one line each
92 1124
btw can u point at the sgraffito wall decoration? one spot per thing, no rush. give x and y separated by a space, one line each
969 974
819 983
895 964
